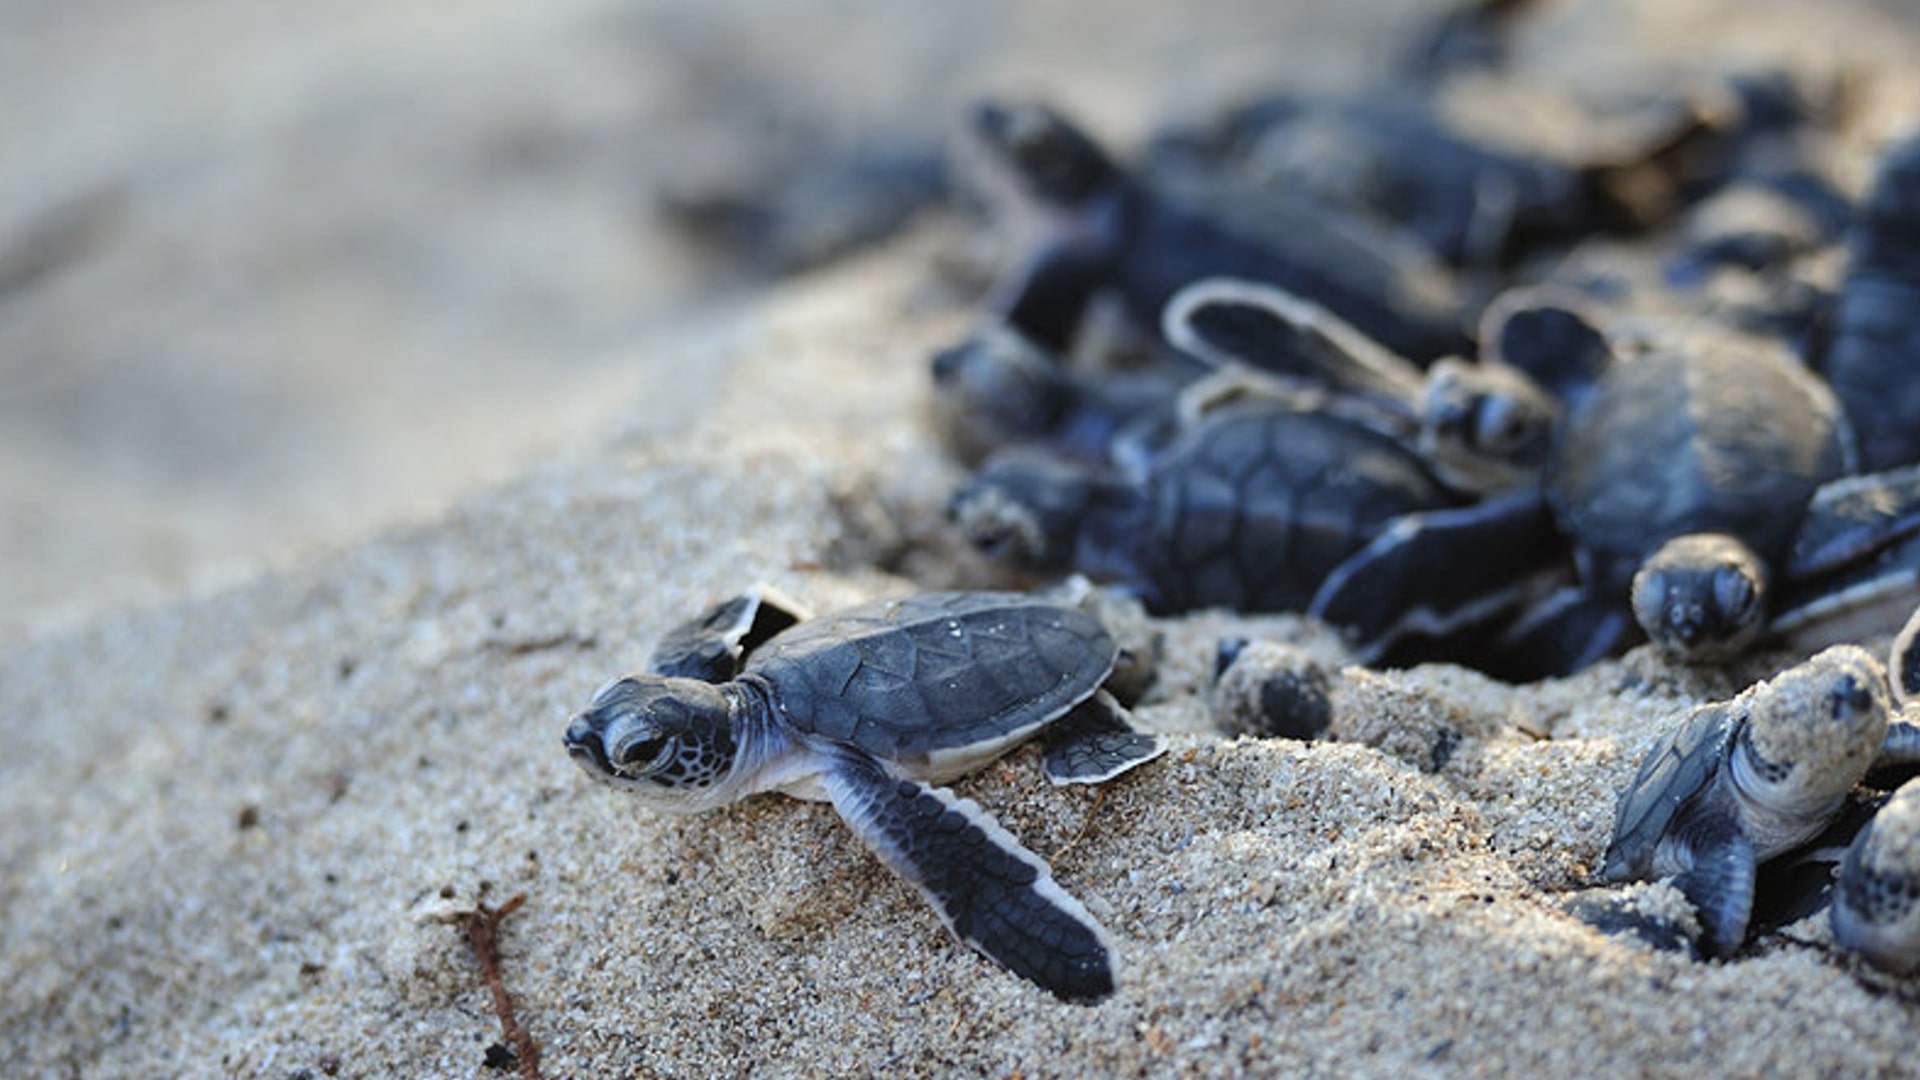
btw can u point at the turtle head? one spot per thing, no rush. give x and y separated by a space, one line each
1813 731
1701 597
669 740
1048 158
1025 509
1486 428
997 387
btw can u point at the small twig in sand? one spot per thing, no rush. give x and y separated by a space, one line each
1099 795
482 925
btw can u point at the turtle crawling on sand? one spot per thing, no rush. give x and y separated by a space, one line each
1742 781
1876 896
1876 899
1249 508
870 708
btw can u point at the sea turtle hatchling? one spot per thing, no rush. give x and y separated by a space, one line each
1876 337
1095 228
1875 909
1739 782
870 708
1706 485
1876 898
1247 509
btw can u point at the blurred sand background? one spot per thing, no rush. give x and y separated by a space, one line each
272 277
357 419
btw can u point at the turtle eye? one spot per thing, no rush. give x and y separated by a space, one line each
1850 697
636 756
1505 425
1733 592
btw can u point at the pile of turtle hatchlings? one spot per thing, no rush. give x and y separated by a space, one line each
1329 355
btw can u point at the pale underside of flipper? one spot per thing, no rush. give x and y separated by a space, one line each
991 892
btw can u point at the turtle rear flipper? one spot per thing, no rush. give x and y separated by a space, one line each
712 646
1094 743
1721 881
1388 590
991 892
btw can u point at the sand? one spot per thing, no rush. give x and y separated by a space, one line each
233 822
235 825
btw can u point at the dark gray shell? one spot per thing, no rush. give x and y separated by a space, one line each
1742 437
1253 509
1679 768
902 679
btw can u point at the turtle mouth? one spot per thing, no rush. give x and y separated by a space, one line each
1770 771
585 748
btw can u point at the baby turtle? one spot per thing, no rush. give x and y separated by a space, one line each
1249 509
1739 782
871 708
1100 229
1876 901
1874 360
1703 486
1270 690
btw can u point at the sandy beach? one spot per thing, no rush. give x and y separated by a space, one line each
244 796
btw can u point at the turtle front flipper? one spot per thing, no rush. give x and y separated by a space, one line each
994 894
1903 666
1855 560
1568 630
1720 882
1047 298
1548 334
1224 321
1388 590
1900 748
1851 518
1855 601
712 646
1094 743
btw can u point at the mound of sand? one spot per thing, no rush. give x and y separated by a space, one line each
235 826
